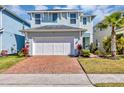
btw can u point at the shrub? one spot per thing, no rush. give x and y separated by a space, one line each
119 43
4 53
24 51
20 54
85 52
97 52
93 48
100 53
107 44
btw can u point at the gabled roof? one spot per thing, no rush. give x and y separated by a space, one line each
10 12
53 28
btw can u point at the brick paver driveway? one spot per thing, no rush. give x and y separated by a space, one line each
46 65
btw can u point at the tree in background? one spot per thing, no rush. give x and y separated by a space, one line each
120 44
119 41
114 21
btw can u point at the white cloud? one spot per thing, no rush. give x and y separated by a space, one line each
40 7
87 8
103 7
101 12
100 15
72 7
67 7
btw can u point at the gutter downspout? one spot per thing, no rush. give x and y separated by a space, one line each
1 23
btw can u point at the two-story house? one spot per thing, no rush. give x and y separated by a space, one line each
11 39
57 32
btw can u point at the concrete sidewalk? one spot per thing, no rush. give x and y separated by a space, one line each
44 80
105 78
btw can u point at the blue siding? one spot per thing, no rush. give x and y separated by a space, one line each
19 41
12 39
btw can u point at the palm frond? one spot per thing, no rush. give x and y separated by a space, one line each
102 25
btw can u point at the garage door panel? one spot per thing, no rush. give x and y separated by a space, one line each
47 49
53 46
67 48
38 49
58 48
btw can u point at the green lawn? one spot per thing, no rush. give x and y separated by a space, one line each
101 65
6 62
110 85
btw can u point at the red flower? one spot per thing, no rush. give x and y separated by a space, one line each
79 47
25 51
4 53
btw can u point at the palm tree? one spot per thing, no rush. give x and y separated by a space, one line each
115 20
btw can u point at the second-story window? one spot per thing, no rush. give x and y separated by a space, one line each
54 17
37 18
84 21
64 15
49 17
73 18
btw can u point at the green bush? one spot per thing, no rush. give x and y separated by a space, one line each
100 53
97 52
93 48
107 44
85 52
20 54
119 43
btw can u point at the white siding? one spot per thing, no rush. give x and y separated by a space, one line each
100 35
61 21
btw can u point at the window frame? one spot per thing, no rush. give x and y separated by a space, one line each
48 17
73 18
85 22
37 19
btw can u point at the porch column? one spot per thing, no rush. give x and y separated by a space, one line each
81 38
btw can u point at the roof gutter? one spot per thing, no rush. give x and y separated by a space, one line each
53 11
54 30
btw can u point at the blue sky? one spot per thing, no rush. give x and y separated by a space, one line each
99 10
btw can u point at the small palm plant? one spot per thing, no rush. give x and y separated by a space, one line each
120 44
115 20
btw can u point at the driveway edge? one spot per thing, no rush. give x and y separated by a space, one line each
92 83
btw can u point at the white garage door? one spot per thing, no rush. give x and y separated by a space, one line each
53 46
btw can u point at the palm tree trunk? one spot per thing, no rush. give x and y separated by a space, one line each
113 42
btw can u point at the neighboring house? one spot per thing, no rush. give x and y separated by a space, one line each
11 39
100 34
120 31
57 32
